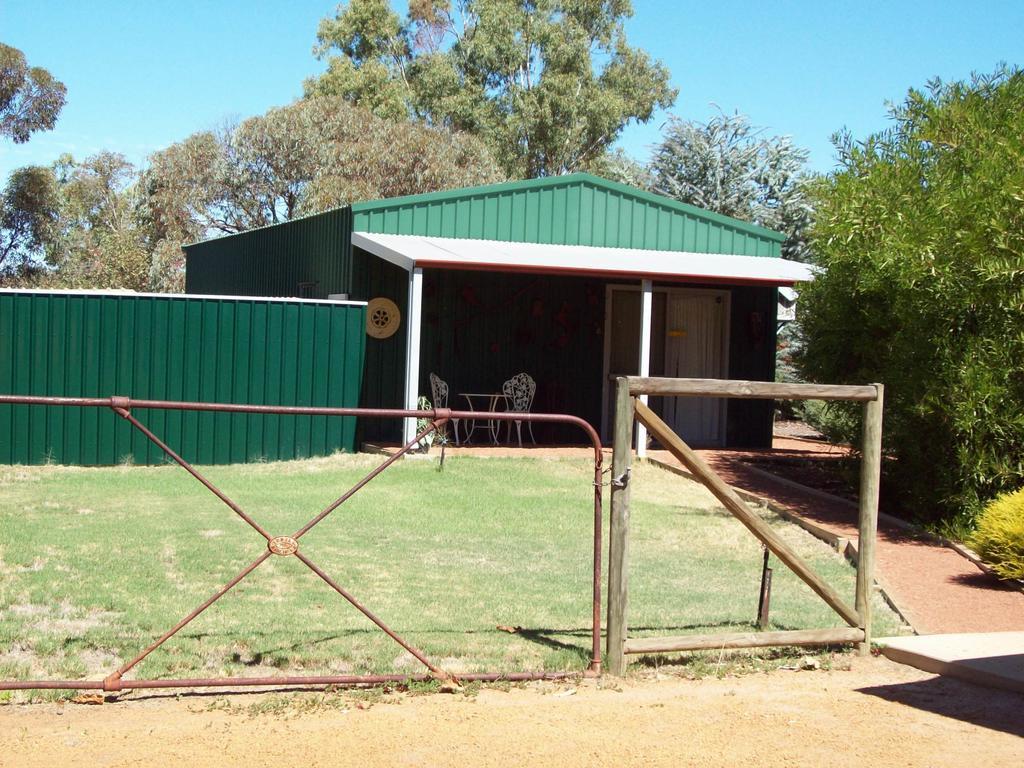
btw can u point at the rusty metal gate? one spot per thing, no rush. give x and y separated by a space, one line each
288 545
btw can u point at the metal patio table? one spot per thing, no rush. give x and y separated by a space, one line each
482 399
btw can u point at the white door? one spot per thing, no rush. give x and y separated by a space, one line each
694 348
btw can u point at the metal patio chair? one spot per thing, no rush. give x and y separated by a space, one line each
439 395
519 392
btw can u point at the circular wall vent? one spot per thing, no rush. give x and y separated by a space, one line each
382 318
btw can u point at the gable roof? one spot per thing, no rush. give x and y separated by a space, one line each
576 209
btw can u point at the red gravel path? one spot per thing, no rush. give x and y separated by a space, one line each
937 589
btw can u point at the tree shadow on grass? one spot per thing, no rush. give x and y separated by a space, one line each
546 636
280 655
548 639
574 641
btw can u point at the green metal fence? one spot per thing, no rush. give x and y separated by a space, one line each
176 347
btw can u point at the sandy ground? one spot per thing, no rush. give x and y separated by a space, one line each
876 713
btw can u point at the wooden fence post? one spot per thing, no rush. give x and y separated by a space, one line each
618 538
870 477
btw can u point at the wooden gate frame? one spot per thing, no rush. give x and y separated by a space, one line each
629 408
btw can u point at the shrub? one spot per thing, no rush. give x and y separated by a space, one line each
921 236
999 538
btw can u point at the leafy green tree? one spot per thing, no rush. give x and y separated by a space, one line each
921 234
29 214
83 225
547 84
728 166
102 240
30 97
312 155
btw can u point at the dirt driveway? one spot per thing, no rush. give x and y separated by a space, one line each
877 713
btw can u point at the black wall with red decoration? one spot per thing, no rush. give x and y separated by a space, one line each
482 328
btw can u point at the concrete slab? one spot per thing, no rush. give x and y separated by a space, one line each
995 659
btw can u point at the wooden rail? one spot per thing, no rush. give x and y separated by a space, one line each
751 390
744 640
628 408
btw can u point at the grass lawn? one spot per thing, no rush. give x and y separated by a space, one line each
96 563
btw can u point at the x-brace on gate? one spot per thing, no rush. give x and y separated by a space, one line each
288 545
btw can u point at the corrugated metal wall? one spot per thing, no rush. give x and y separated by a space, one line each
314 252
578 209
176 348
384 372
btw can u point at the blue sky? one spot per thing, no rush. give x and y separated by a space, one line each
142 75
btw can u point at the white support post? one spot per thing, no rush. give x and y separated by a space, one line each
413 313
646 308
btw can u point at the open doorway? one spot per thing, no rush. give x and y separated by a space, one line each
689 338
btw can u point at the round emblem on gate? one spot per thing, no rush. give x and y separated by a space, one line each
382 318
283 545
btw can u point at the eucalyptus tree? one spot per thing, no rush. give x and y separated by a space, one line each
102 240
548 85
296 160
731 167
104 223
30 97
29 215
79 224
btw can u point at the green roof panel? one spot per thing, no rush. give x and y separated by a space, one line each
578 209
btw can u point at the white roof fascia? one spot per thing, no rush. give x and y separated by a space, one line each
409 251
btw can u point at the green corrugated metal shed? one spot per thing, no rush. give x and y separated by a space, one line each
577 209
175 347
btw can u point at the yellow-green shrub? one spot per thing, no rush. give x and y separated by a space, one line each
999 538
